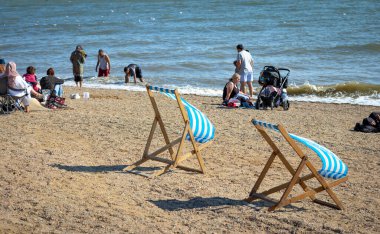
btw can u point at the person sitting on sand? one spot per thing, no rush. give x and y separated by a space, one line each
232 91
31 78
17 85
133 70
104 64
52 83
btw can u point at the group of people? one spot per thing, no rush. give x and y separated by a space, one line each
103 66
18 84
27 86
243 75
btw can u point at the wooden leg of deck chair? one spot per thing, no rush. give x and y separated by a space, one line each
150 138
166 137
174 163
181 144
168 146
299 152
261 177
290 186
325 185
281 156
199 156
163 171
136 164
159 119
334 197
278 188
197 151
315 191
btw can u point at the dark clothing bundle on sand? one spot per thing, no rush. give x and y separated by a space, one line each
370 124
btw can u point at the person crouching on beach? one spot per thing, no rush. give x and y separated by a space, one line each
104 64
232 91
133 70
52 83
78 58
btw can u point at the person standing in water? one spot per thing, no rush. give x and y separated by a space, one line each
104 64
78 58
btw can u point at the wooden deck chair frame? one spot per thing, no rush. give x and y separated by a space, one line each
178 156
296 179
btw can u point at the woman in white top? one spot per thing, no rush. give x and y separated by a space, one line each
17 85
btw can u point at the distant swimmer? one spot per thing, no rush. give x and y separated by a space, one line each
133 70
104 64
78 58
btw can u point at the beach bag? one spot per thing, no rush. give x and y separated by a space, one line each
233 102
55 102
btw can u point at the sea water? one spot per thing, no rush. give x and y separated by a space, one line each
331 47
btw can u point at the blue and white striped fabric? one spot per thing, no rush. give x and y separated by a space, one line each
203 130
332 166
162 90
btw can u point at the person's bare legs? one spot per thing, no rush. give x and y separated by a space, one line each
242 86
250 87
36 94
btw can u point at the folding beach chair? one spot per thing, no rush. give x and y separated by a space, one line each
197 129
332 168
9 103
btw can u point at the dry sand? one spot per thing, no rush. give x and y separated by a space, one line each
62 171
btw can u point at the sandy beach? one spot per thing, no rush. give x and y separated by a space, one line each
62 171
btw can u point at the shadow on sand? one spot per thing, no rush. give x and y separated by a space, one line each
210 202
103 168
93 169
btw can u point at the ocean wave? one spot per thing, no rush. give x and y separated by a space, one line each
348 89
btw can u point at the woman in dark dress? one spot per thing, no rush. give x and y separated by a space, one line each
230 89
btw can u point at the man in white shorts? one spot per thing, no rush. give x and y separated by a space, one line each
245 66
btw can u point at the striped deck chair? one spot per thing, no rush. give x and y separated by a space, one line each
332 168
198 130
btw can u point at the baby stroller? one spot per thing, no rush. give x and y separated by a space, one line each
273 92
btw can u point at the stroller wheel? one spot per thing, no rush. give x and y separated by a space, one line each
258 103
285 105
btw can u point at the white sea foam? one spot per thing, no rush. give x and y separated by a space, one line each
362 100
372 100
